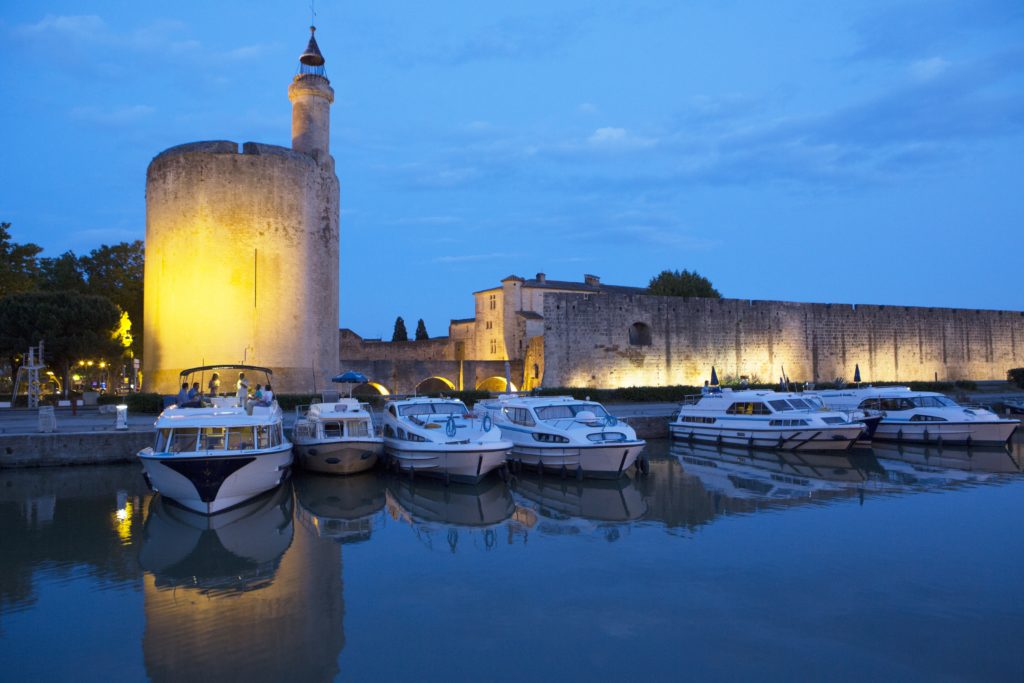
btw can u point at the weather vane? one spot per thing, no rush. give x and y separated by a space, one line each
312 12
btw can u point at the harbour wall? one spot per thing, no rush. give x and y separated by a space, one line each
639 340
72 448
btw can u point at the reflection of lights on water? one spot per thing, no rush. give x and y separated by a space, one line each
123 517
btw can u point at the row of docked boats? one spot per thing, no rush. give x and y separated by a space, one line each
216 453
830 420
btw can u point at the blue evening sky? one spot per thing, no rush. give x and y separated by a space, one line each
863 151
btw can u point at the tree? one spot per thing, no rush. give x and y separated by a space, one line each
421 331
682 283
18 265
72 325
117 272
62 273
400 334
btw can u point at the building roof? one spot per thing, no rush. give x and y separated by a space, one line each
582 287
457 321
530 315
312 56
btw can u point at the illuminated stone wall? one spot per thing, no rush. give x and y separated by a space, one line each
241 263
586 341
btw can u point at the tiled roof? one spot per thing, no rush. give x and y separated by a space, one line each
530 315
583 287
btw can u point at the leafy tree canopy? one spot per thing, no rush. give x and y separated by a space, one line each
421 331
18 265
400 334
72 325
682 283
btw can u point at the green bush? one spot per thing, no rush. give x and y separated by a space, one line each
1016 375
141 403
289 401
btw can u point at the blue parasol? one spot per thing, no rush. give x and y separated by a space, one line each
714 377
856 373
350 377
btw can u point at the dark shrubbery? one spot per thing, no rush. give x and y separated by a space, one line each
1016 375
137 403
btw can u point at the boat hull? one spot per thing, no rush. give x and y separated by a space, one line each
963 433
209 483
785 439
467 463
597 462
340 457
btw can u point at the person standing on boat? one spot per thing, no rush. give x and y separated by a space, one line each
214 384
243 388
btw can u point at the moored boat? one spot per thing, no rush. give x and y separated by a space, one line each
923 416
213 457
336 437
439 437
563 434
764 419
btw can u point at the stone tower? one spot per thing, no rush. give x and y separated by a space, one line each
242 250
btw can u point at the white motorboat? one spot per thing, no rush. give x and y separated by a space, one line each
563 434
336 437
219 455
764 419
438 436
923 416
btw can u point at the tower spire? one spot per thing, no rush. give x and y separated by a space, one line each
312 59
311 96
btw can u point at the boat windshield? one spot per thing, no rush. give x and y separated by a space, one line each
933 402
432 409
567 411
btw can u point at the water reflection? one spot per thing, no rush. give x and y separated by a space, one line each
341 508
243 595
593 500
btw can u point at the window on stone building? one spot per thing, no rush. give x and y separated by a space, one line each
494 301
488 325
536 371
494 346
639 334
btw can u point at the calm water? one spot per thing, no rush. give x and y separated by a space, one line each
717 565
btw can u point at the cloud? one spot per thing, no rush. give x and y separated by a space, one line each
112 117
512 39
470 258
618 139
927 69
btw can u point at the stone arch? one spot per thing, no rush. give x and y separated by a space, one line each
495 384
370 389
639 334
435 385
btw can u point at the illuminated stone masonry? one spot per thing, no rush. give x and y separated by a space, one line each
614 340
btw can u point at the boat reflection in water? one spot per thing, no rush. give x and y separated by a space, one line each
426 501
741 473
243 595
922 466
555 506
341 508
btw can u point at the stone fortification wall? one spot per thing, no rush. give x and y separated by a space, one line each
352 347
241 263
587 341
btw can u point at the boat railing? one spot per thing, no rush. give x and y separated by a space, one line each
692 399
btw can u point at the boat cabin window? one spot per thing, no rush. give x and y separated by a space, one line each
927 418
780 405
800 404
520 416
567 411
870 404
183 439
896 404
933 402
391 409
212 439
748 408
358 428
268 436
332 430
240 438
433 409
163 437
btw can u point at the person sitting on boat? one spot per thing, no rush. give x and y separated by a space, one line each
182 398
706 389
267 398
258 393
194 398
214 385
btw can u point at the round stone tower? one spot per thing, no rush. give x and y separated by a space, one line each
242 251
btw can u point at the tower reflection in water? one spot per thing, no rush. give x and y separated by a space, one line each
244 595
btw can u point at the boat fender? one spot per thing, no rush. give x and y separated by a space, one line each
449 426
645 464
579 473
487 423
